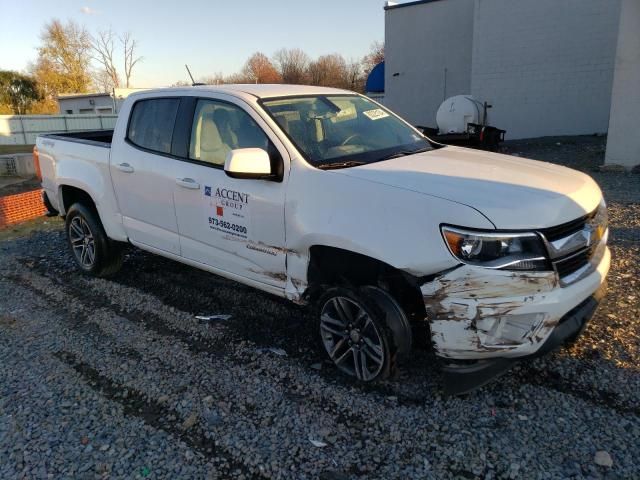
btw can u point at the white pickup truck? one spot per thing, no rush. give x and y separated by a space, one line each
327 198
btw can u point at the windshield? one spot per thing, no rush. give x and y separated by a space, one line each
343 130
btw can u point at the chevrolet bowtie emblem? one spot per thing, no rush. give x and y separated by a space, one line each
587 233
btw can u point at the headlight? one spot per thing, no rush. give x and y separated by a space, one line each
508 251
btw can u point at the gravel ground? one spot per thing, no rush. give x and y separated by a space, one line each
117 379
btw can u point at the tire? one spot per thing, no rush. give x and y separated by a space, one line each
357 330
94 253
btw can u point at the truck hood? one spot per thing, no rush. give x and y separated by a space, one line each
513 193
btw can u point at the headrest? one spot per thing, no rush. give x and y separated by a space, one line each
209 136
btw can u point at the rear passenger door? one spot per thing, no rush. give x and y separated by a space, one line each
231 224
143 174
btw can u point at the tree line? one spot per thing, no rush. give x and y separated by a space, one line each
72 60
69 60
296 67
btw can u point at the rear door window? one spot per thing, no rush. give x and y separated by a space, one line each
151 124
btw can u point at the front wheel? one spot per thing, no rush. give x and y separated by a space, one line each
356 333
92 250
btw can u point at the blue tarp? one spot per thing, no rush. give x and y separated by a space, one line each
375 80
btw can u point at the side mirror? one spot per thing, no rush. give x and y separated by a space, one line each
248 163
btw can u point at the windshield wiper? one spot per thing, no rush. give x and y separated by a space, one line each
333 165
403 153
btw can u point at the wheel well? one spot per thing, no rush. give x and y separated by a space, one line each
330 266
71 195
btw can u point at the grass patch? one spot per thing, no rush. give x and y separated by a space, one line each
24 229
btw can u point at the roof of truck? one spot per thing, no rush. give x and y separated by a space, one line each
261 90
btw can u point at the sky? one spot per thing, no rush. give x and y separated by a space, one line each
210 36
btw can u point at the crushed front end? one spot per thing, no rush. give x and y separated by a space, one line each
483 317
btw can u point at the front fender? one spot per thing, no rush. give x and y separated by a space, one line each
396 226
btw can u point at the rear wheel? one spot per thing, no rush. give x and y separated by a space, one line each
90 247
355 331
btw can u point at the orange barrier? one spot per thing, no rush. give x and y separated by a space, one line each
20 207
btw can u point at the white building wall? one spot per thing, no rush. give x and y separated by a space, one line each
421 41
546 66
76 104
623 142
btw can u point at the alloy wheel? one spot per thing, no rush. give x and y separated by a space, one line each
82 242
351 338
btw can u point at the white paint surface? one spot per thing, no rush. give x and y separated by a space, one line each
623 142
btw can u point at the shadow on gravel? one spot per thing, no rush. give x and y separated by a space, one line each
157 415
263 319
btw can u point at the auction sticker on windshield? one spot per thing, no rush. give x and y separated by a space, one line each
228 211
375 114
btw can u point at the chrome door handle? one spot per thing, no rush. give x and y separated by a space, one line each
124 167
188 183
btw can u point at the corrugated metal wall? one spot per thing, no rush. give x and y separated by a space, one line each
23 129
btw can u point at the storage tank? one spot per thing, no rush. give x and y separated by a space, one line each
456 112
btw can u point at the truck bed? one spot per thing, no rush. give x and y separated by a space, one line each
95 137
74 157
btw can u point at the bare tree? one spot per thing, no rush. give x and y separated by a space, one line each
259 69
102 80
238 77
130 60
103 47
354 76
374 57
292 65
329 71
215 79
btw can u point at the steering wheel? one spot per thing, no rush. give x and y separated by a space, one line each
349 138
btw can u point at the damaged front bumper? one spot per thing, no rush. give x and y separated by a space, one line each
488 318
462 378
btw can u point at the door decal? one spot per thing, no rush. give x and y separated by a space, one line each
228 211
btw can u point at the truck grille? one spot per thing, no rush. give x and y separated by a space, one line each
573 245
574 263
566 229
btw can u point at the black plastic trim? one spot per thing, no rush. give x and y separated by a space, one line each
51 212
251 176
182 127
75 139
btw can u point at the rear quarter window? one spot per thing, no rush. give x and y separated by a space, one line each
151 124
